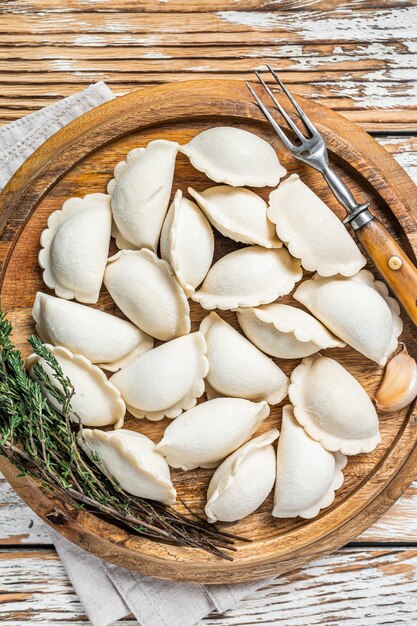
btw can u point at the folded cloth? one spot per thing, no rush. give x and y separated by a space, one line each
108 592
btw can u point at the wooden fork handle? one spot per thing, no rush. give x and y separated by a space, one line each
396 268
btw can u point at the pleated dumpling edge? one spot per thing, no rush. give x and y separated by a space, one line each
234 156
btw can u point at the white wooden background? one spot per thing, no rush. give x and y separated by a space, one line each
356 56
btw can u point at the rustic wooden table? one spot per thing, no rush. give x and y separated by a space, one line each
356 56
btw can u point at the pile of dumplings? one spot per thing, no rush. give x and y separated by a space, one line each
329 415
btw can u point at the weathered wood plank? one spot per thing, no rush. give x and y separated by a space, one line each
364 587
164 6
369 25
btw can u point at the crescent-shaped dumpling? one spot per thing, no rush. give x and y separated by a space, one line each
243 481
146 290
75 247
284 331
96 401
333 407
234 156
311 231
140 192
132 460
187 242
166 380
358 310
237 368
209 432
248 277
307 474
104 339
238 213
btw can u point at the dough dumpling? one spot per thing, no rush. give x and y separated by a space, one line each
96 401
248 277
307 474
333 407
284 331
237 368
146 290
358 310
311 231
234 156
243 481
132 460
187 243
238 213
104 339
75 247
209 432
165 380
140 192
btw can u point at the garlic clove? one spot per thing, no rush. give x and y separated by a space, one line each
398 387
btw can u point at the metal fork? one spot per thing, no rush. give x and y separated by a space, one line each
392 262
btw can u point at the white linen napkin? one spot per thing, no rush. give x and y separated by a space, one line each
108 592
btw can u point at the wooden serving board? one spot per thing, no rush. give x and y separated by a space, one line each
79 160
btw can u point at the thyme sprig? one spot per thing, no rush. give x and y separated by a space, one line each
38 435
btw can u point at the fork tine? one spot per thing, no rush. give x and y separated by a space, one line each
283 112
271 120
309 124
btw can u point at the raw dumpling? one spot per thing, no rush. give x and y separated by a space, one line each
96 401
75 247
187 243
235 157
206 434
140 192
311 231
248 277
243 481
307 474
104 339
146 290
132 460
238 213
284 331
333 407
165 380
358 310
238 369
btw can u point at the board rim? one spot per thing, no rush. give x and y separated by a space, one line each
36 177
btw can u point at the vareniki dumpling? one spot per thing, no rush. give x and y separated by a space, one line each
140 192
234 156
243 481
207 433
284 331
307 474
104 339
311 231
187 242
333 407
146 290
75 247
96 401
165 380
132 460
358 310
238 213
248 277
237 368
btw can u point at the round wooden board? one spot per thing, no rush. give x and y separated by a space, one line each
79 160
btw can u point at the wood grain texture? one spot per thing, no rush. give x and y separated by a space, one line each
78 160
364 67
353 587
